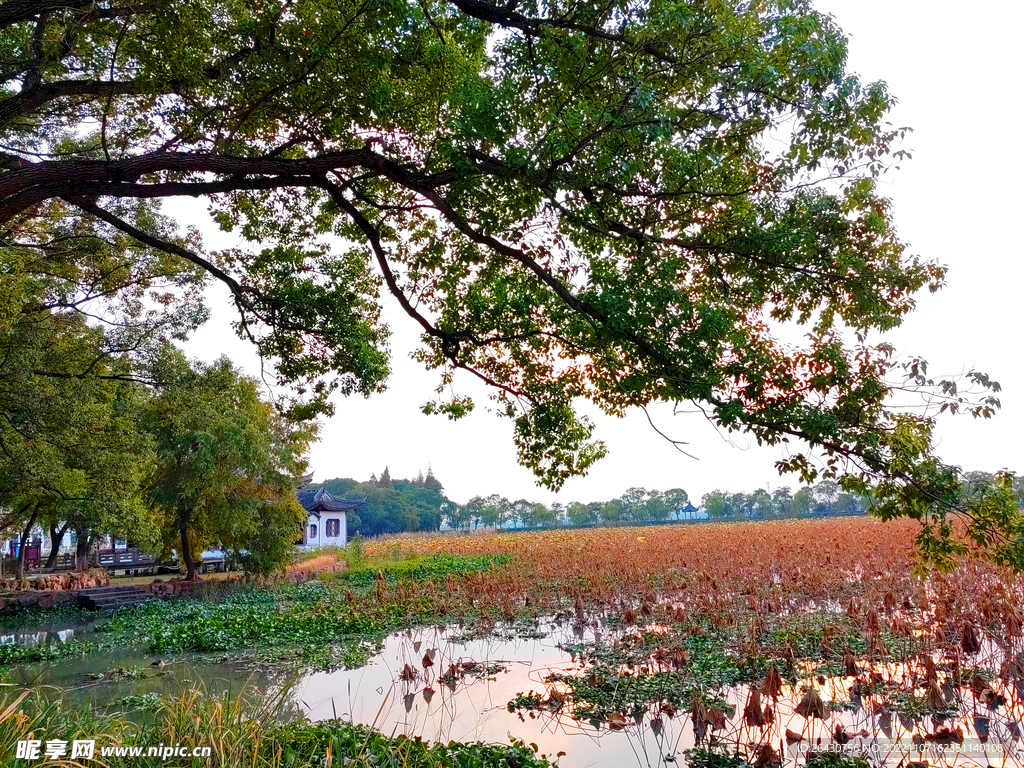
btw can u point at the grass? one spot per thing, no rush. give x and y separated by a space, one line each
142 581
801 594
337 620
433 567
240 729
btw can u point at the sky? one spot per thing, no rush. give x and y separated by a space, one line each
955 72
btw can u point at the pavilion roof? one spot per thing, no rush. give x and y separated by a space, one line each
317 500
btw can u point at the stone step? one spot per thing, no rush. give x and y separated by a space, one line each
98 591
110 598
121 599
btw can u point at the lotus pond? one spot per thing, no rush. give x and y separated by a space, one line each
651 661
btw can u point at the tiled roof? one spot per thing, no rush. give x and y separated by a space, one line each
318 500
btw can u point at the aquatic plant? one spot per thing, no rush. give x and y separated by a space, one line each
682 612
241 728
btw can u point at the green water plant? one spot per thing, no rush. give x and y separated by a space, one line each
240 728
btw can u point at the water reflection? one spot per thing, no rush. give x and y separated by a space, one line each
433 685
43 634
437 685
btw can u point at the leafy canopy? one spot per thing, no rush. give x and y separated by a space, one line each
618 202
227 464
70 446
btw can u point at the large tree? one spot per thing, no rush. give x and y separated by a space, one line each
227 465
71 453
612 201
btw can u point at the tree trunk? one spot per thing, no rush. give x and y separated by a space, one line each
21 547
191 567
56 539
81 551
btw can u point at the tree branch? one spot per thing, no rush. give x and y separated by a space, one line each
236 288
15 11
504 16
29 184
34 97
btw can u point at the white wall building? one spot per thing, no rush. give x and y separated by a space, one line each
326 517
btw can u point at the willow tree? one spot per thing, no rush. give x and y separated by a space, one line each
611 201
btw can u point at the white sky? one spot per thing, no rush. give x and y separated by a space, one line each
956 75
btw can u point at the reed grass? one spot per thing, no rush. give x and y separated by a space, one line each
243 729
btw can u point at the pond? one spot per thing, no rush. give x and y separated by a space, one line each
46 633
437 684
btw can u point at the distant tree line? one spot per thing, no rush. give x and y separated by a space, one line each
639 505
822 498
393 506
409 505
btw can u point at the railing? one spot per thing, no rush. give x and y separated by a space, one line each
66 561
124 558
